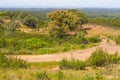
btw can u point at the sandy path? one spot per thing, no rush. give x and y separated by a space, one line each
110 47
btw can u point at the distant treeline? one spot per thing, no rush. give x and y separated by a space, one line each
32 19
113 22
91 12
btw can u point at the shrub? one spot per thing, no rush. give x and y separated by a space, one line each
9 62
35 43
114 58
60 75
94 39
117 40
42 76
102 58
98 58
73 64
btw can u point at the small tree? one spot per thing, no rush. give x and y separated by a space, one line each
63 21
31 22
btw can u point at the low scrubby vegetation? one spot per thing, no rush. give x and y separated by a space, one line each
111 22
98 58
42 76
102 58
94 39
25 43
73 64
117 40
10 62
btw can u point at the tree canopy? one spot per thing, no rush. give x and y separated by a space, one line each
65 21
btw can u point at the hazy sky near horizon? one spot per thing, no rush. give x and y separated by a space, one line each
60 3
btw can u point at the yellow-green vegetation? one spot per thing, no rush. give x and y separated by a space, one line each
44 65
98 58
105 73
66 32
69 36
102 58
9 62
66 70
73 64
64 22
113 22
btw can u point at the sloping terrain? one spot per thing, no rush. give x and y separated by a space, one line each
109 46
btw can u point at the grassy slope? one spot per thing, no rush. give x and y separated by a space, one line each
105 73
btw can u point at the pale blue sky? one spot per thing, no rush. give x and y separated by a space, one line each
60 3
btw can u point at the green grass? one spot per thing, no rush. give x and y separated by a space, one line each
73 64
37 74
44 65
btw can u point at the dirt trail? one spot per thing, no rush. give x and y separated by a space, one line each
106 44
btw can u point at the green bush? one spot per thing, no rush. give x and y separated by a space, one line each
117 40
73 64
99 58
60 75
35 43
94 39
42 76
102 58
9 62
114 58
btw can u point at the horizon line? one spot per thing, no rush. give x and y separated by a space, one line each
60 7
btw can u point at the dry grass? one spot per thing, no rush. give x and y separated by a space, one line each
100 30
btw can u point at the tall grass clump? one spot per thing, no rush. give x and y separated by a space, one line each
60 75
9 62
94 39
102 58
117 40
73 64
42 76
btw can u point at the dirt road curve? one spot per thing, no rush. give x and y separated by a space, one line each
110 47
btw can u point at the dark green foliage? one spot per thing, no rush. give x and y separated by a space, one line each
32 19
94 39
102 58
80 38
99 58
42 76
30 22
57 32
73 64
9 62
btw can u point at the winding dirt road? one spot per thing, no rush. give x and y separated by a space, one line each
109 46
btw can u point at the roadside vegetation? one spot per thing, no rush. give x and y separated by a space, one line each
53 32
99 66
